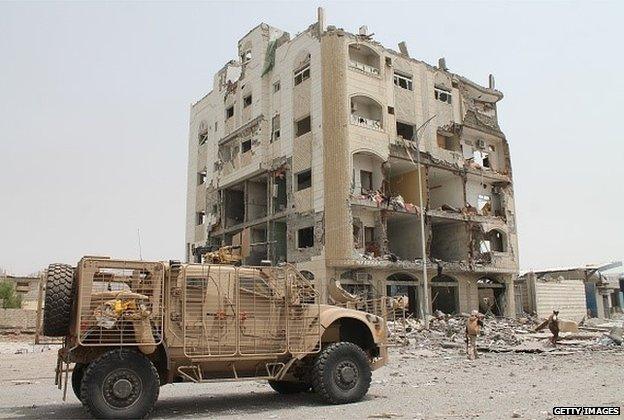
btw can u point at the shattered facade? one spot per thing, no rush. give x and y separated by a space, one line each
306 151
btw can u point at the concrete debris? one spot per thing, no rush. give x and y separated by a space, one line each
499 335
396 203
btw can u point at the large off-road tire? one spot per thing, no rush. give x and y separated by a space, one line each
76 378
58 300
341 373
120 384
285 387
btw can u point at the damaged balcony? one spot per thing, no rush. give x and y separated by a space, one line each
248 202
484 153
446 191
483 197
364 59
450 241
397 190
492 251
367 174
366 112
404 236
384 239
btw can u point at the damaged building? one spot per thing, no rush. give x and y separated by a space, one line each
348 159
578 292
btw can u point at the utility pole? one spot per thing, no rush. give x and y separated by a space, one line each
423 242
424 296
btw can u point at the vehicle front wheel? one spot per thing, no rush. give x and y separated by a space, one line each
341 373
120 384
285 387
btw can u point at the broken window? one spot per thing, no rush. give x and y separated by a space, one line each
200 217
303 126
304 180
366 181
201 177
203 138
229 112
494 241
234 205
276 86
305 237
391 110
484 204
303 74
246 146
481 158
449 142
275 128
246 56
442 95
405 130
247 101
357 240
403 81
280 198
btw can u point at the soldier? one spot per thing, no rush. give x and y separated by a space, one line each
473 327
553 325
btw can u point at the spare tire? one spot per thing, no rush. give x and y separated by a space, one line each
58 300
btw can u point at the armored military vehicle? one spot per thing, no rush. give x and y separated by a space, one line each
129 327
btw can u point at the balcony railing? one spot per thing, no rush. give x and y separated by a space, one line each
364 67
365 122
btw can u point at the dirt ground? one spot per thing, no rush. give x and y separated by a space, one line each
416 384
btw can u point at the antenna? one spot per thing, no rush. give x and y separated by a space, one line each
139 237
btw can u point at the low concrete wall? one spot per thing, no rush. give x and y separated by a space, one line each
23 319
568 296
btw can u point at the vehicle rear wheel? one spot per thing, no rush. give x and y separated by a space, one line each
120 384
285 387
76 378
341 373
58 300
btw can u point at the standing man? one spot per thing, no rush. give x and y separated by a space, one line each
473 327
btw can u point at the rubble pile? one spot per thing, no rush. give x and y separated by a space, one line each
446 333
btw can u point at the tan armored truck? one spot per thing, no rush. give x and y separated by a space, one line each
129 327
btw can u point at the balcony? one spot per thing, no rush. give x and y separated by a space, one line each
363 59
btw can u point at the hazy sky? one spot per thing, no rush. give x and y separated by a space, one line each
94 107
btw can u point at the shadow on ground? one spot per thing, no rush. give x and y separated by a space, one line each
239 404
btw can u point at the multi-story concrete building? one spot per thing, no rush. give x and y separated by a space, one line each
307 148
